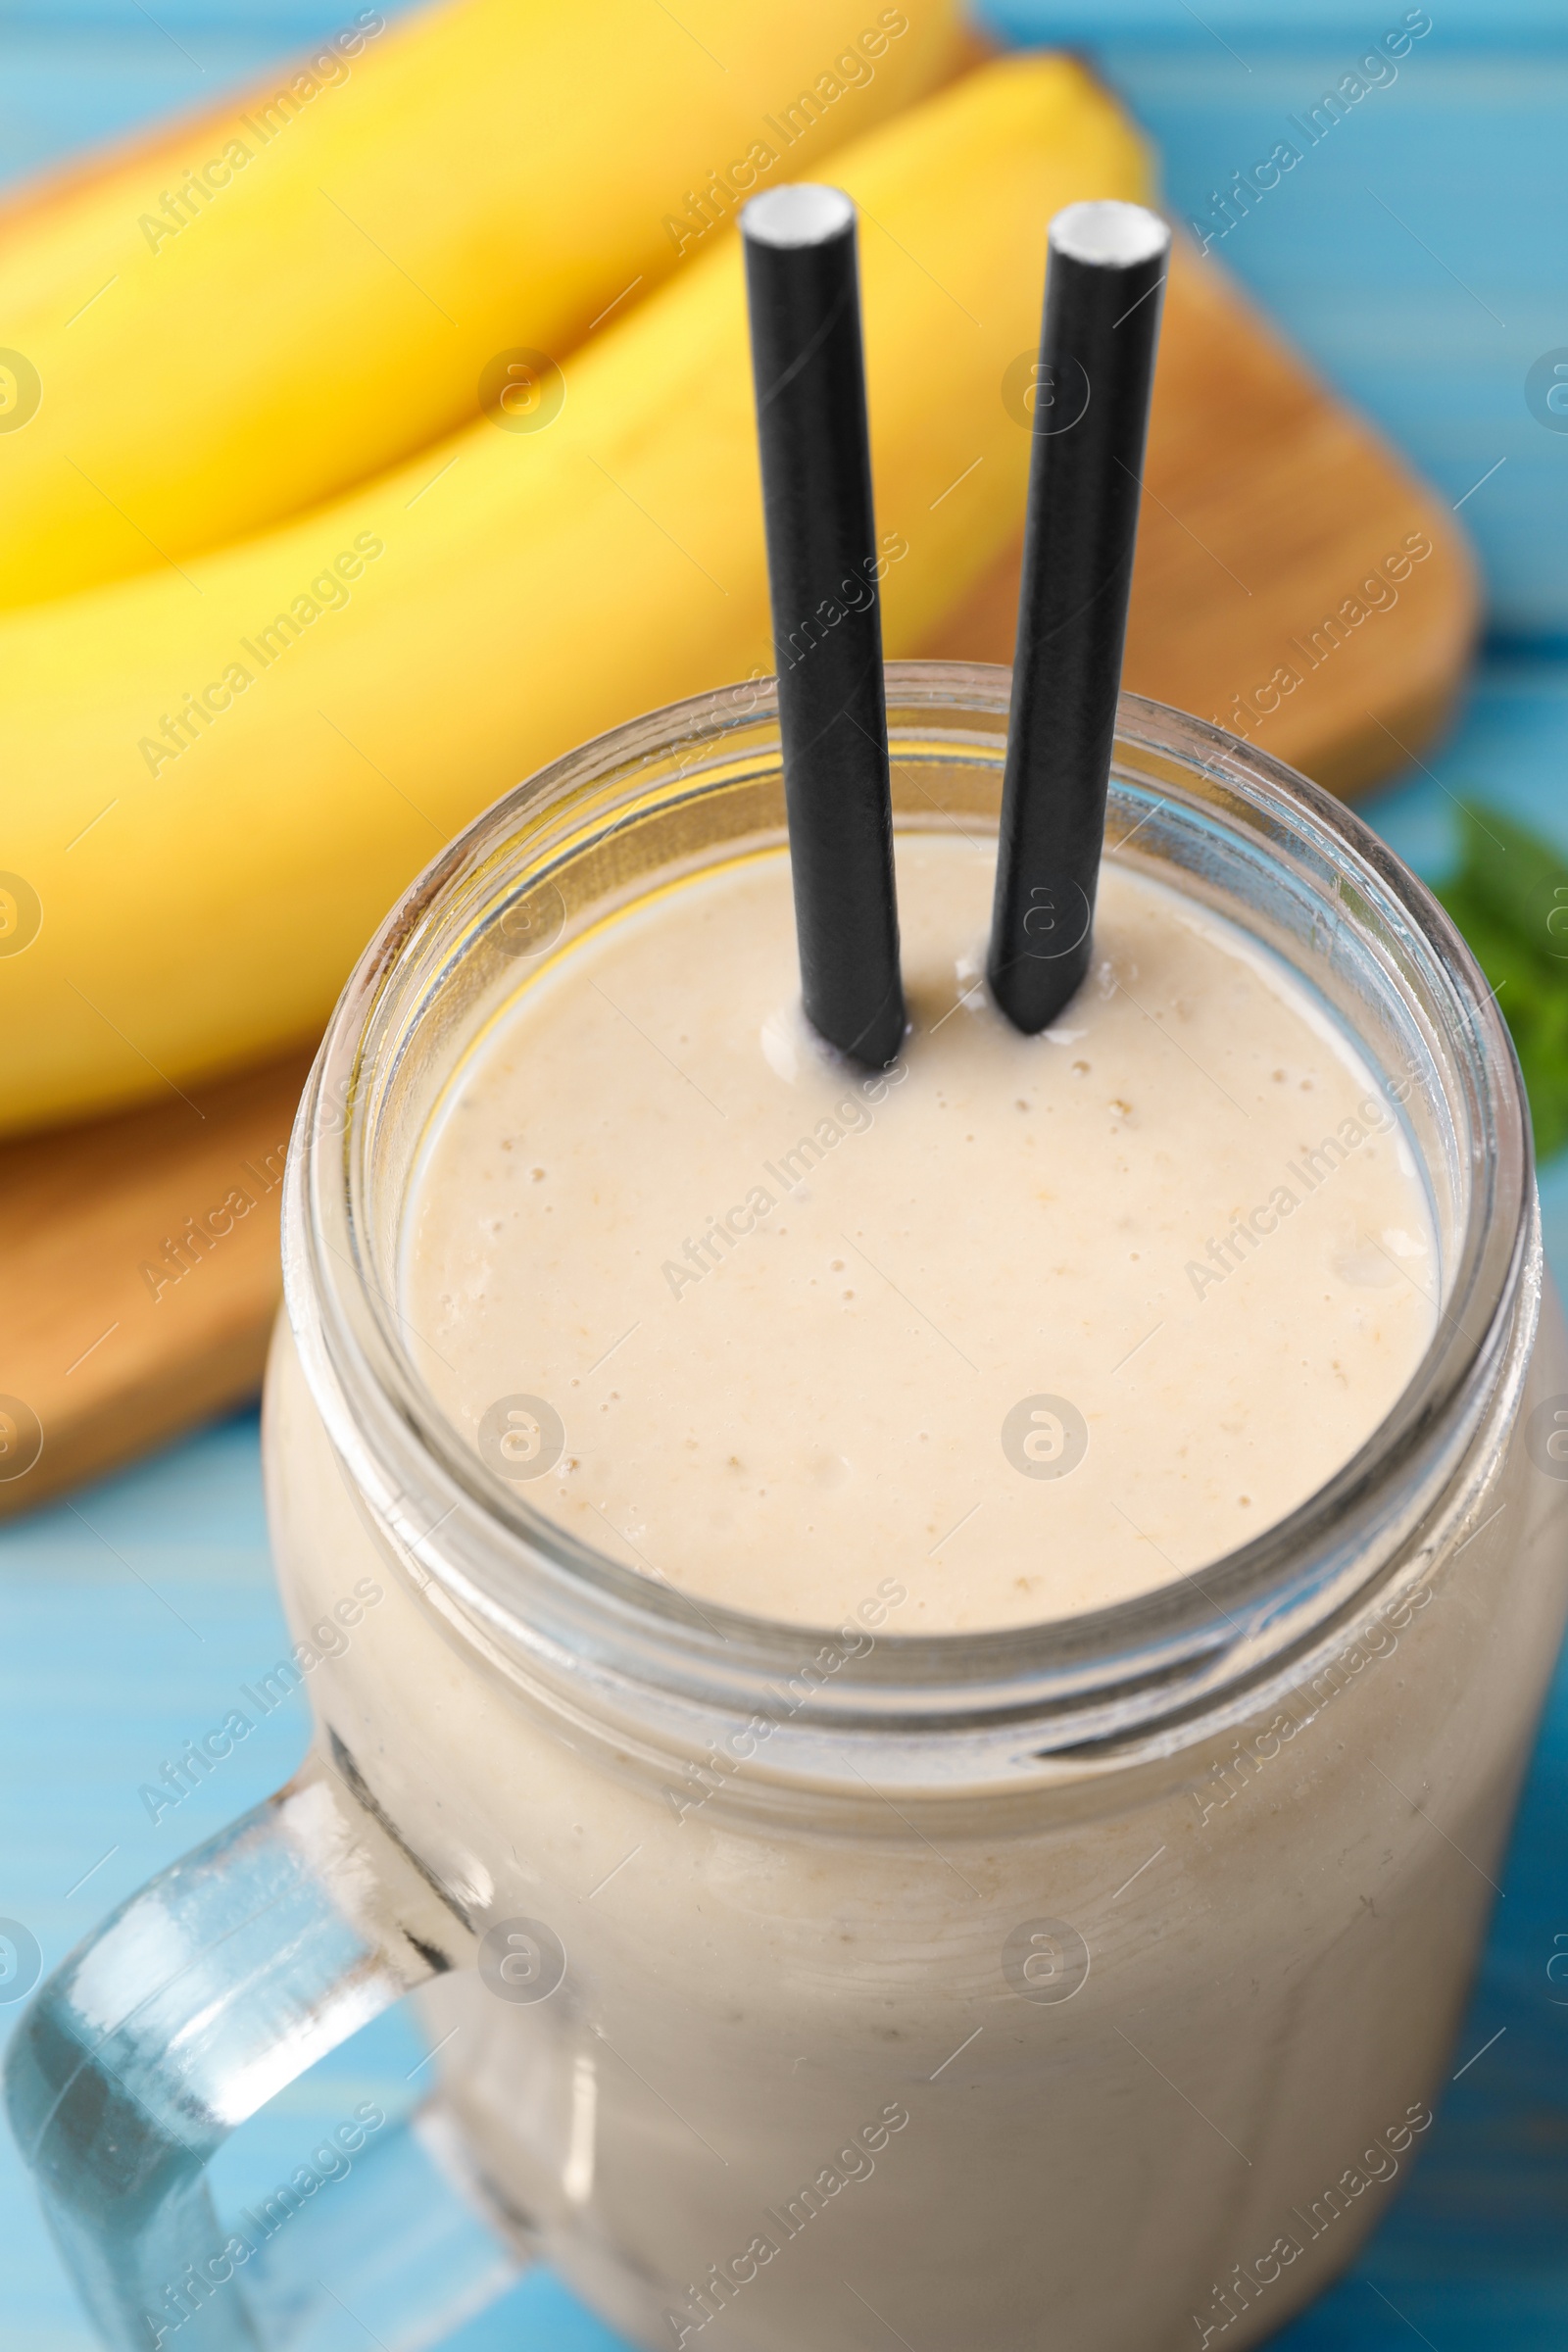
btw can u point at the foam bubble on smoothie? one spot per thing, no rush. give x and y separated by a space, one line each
1025 1325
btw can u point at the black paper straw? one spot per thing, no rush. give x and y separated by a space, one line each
803 288
1104 285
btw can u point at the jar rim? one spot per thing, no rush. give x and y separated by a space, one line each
548 1598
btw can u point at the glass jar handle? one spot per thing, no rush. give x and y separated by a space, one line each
226 1976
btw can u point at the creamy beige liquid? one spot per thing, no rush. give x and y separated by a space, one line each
1278 1902
1030 1324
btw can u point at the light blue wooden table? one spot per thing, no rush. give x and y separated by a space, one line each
131 1614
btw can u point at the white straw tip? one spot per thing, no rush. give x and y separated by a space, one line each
804 214
1109 234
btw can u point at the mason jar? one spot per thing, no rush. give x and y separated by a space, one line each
1091 1978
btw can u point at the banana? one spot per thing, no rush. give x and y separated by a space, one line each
216 783
286 297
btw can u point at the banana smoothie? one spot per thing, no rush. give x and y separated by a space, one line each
1034 1324
793 2025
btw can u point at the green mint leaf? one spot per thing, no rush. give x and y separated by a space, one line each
1510 900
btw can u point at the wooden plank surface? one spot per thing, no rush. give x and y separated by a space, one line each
139 1255
1415 253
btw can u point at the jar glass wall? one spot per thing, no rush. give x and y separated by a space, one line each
1096 1973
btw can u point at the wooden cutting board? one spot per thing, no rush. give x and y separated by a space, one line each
138 1254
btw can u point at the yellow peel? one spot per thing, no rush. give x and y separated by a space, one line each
534 587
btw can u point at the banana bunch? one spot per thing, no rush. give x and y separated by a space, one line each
217 776
281 299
